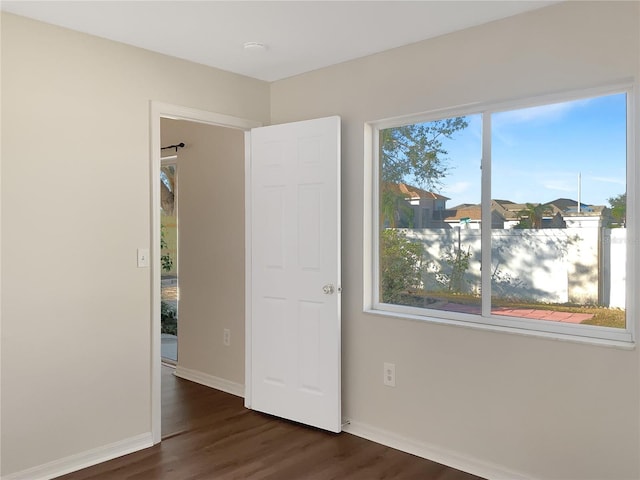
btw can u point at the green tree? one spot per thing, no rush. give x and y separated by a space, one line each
416 151
413 153
458 262
400 265
532 215
393 208
165 257
168 189
619 209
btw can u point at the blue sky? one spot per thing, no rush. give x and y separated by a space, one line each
538 153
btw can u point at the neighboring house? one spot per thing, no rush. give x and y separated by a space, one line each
513 213
583 216
471 216
559 213
422 209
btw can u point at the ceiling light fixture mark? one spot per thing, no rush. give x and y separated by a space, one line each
255 47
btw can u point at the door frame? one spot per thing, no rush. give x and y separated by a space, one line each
158 110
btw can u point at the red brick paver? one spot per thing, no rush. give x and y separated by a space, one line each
550 315
553 316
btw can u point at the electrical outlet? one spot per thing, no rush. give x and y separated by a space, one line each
226 337
389 374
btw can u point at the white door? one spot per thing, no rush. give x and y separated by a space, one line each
295 272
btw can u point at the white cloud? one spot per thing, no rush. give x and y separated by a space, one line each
614 180
551 112
560 185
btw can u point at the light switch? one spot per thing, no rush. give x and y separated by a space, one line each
143 257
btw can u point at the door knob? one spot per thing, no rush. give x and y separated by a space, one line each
328 289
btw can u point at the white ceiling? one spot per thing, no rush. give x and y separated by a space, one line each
301 35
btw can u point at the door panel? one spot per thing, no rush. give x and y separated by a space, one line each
295 253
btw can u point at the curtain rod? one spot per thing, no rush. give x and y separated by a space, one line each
179 145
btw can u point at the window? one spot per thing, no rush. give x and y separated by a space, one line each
507 216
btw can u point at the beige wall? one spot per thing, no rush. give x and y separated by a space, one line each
75 142
211 247
537 407
75 162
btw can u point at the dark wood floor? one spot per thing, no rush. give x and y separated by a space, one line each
209 435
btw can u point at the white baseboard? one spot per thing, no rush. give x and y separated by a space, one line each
82 460
433 453
212 381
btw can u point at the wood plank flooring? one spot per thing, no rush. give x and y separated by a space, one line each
209 435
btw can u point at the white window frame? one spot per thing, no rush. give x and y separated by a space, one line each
582 333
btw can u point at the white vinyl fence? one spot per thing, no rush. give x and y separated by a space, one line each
577 265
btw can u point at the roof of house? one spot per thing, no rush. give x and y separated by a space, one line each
569 208
463 205
472 212
508 210
586 211
512 211
413 192
566 204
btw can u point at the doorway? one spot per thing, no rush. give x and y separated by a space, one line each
217 256
210 249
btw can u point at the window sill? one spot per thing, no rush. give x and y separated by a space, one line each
464 321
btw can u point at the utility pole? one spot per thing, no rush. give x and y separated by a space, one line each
579 191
